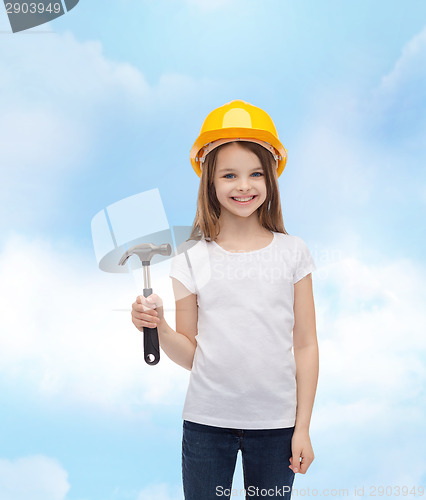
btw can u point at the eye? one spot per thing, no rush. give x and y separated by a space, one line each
260 174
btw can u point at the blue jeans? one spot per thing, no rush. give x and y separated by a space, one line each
209 455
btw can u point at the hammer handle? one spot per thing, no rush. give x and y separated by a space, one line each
151 345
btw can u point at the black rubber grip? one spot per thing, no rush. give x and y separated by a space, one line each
151 345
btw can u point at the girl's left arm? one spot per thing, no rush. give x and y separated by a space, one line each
306 356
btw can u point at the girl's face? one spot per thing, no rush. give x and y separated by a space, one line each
239 174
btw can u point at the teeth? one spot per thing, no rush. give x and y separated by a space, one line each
244 199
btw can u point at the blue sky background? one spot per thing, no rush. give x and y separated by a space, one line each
106 102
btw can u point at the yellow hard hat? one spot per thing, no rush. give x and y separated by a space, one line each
237 121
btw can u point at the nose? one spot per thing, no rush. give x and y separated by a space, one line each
244 184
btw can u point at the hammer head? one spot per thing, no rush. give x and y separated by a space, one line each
145 251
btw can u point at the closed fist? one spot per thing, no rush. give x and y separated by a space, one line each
147 311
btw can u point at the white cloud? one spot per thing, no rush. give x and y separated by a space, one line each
34 477
64 342
397 101
369 408
61 337
51 102
363 148
52 110
63 106
335 160
409 69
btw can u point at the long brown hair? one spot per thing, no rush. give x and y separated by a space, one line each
206 221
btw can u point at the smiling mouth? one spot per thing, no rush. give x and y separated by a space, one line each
243 198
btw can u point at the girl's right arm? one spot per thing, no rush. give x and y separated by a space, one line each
179 347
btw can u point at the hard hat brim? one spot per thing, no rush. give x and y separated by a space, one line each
235 133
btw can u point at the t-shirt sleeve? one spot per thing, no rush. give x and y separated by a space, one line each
304 263
179 269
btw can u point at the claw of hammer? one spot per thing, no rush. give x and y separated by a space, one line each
145 251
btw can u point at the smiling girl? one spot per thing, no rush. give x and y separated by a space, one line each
244 304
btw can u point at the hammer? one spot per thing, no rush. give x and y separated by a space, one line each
145 251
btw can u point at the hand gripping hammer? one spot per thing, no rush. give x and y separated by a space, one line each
145 251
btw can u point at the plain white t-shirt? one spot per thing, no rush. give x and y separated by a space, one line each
244 373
